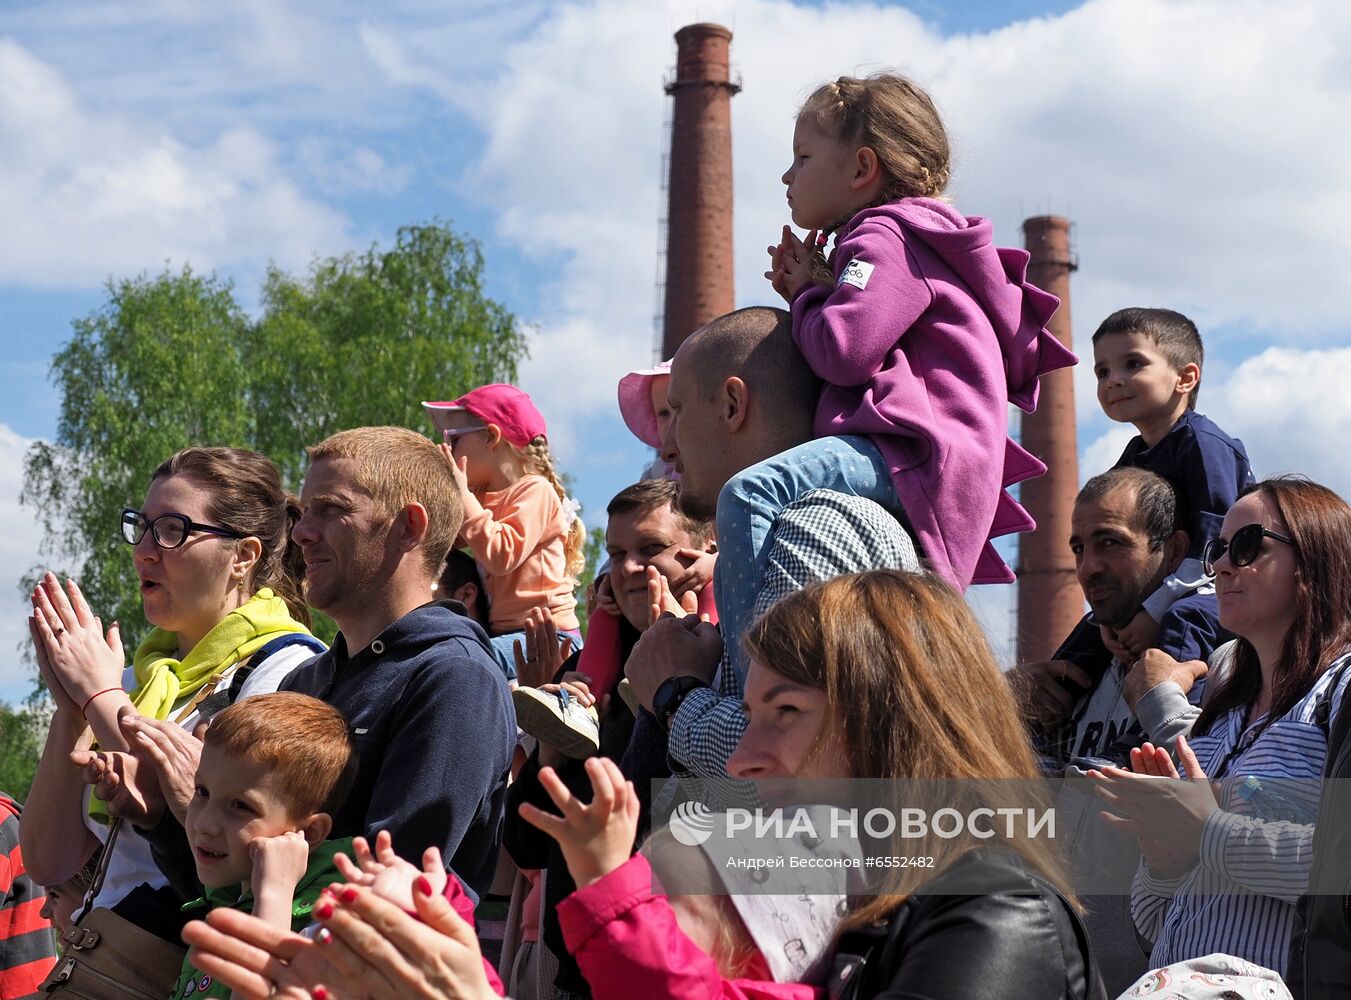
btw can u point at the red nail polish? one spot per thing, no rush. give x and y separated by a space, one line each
319 993
324 910
348 895
423 885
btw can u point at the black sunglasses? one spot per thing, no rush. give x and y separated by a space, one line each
168 531
1243 547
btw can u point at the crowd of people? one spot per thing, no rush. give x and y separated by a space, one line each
469 795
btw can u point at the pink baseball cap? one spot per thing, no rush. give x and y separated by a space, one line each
635 403
504 406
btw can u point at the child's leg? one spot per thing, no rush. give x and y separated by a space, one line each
601 659
502 649
751 500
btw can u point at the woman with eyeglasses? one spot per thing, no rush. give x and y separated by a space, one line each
1227 849
221 582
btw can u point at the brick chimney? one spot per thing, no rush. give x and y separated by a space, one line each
699 282
1050 602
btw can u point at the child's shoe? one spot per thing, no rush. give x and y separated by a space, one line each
557 719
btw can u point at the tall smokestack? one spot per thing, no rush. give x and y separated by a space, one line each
699 283
1050 602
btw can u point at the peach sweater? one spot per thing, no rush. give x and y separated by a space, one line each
518 537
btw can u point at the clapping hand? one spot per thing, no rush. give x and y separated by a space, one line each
597 838
1164 811
388 875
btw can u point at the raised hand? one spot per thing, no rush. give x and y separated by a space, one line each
387 874
597 838
86 660
662 602
544 651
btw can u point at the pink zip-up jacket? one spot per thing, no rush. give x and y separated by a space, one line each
930 332
627 943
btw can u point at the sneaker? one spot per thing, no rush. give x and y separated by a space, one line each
557 719
630 697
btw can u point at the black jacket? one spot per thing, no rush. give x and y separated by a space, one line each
434 729
985 928
1319 966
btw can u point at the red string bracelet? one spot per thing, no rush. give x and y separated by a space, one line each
91 700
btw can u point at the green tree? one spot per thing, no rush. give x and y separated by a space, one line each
23 730
156 368
172 360
367 337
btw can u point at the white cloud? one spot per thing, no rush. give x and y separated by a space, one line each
1101 453
19 537
1187 140
94 195
1292 410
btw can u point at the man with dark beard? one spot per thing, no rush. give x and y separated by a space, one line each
1127 537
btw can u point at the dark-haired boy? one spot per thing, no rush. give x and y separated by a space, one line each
1148 368
274 770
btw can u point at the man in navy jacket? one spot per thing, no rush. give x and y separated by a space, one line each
430 710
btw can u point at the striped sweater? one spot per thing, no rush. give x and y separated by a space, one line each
1239 899
27 948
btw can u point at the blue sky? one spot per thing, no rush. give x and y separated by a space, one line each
1197 146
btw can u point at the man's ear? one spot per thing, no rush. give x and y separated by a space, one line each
412 524
316 829
867 168
1175 550
1189 377
735 398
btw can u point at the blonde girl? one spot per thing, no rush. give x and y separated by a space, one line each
922 329
518 520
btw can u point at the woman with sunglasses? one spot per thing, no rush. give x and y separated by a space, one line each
1227 850
221 583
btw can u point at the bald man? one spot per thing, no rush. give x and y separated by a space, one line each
741 393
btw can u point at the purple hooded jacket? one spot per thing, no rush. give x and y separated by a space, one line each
930 332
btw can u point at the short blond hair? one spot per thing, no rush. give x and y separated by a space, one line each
397 467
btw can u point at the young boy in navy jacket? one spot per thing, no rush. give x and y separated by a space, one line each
1148 368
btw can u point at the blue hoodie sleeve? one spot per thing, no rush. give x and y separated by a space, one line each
1190 629
426 793
1210 472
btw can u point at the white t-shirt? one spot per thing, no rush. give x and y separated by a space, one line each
131 863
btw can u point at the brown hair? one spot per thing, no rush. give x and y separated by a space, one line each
304 743
1175 335
244 493
914 693
397 467
660 494
897 119
1319 521
537 459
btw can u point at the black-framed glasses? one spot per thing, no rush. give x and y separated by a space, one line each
168 531
1243 546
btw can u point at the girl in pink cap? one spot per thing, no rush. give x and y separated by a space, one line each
518 519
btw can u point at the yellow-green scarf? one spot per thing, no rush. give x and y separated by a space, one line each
161 680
